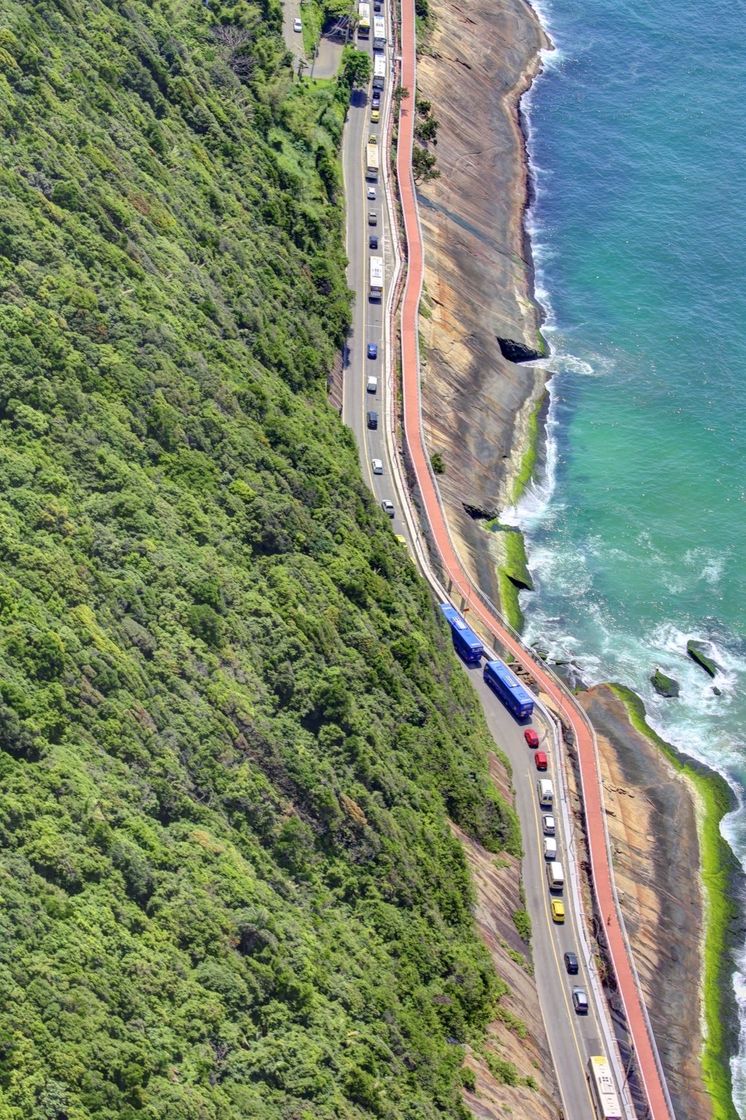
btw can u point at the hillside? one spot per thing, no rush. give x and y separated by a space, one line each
231 730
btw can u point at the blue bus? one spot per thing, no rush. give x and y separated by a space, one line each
467 645
505 683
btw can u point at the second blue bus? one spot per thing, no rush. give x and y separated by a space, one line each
502 680
468 646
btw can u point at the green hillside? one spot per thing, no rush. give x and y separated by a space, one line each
231 728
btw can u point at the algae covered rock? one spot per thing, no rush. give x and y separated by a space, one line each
696 652
664 685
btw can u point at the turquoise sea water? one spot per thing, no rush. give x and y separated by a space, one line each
637 532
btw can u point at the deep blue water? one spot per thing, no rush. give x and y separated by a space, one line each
637 532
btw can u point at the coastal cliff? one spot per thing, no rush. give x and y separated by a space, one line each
477 306
658 825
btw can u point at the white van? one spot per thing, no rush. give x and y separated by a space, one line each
546 793
372 385
555 875
550 847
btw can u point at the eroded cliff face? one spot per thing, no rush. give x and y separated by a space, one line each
480 57
651 816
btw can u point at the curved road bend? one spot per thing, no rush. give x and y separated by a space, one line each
572 1038
583 733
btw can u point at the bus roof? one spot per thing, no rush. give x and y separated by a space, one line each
458 623
509 679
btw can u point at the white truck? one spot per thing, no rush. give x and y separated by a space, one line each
376 277
555 876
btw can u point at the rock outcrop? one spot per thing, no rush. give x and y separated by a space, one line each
652 822
479 319
665 685
695 650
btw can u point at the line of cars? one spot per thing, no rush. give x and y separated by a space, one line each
554 872
374 244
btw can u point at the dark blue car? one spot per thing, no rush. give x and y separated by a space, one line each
372 350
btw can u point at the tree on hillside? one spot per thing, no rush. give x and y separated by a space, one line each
356 67
423 166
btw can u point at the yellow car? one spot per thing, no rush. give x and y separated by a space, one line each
375 115
558 910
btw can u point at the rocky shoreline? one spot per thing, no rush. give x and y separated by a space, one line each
478 403
478 406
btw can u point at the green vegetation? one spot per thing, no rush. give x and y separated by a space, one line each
436 462
522 922
717 868
516 1025
232 726
514 575
356 67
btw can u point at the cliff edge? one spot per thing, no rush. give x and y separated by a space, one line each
477 402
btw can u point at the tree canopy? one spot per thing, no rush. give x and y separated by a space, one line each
231 728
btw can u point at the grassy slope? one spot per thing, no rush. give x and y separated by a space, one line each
717 863
230 726
515 548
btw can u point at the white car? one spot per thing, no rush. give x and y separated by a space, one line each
377 465
372 385
297 25
371 194
549 825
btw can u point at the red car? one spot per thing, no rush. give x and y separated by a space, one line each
531 737
541 760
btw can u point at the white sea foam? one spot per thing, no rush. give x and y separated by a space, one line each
564 617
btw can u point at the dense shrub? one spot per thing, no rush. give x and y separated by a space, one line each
230 726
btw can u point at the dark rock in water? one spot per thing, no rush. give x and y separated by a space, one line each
516 351
663 685
540 652
696 652
716 690
478 514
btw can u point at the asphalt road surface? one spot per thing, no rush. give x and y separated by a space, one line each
572 1038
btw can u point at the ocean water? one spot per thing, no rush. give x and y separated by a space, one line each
636 532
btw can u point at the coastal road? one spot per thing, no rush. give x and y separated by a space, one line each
646 1057
293 39
572 1038
369 316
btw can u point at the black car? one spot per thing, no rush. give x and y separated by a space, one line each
571 964
373 242
372 419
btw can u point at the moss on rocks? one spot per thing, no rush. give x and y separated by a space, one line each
664 685
695 651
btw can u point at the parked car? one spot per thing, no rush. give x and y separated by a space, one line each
549 826
541 760
571 964
376 99
558 910
373 419
372 350
580 1001
377 465
371 193
531 737
297 25
373 241
375 116
387 507
550 847
372 218
372 385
